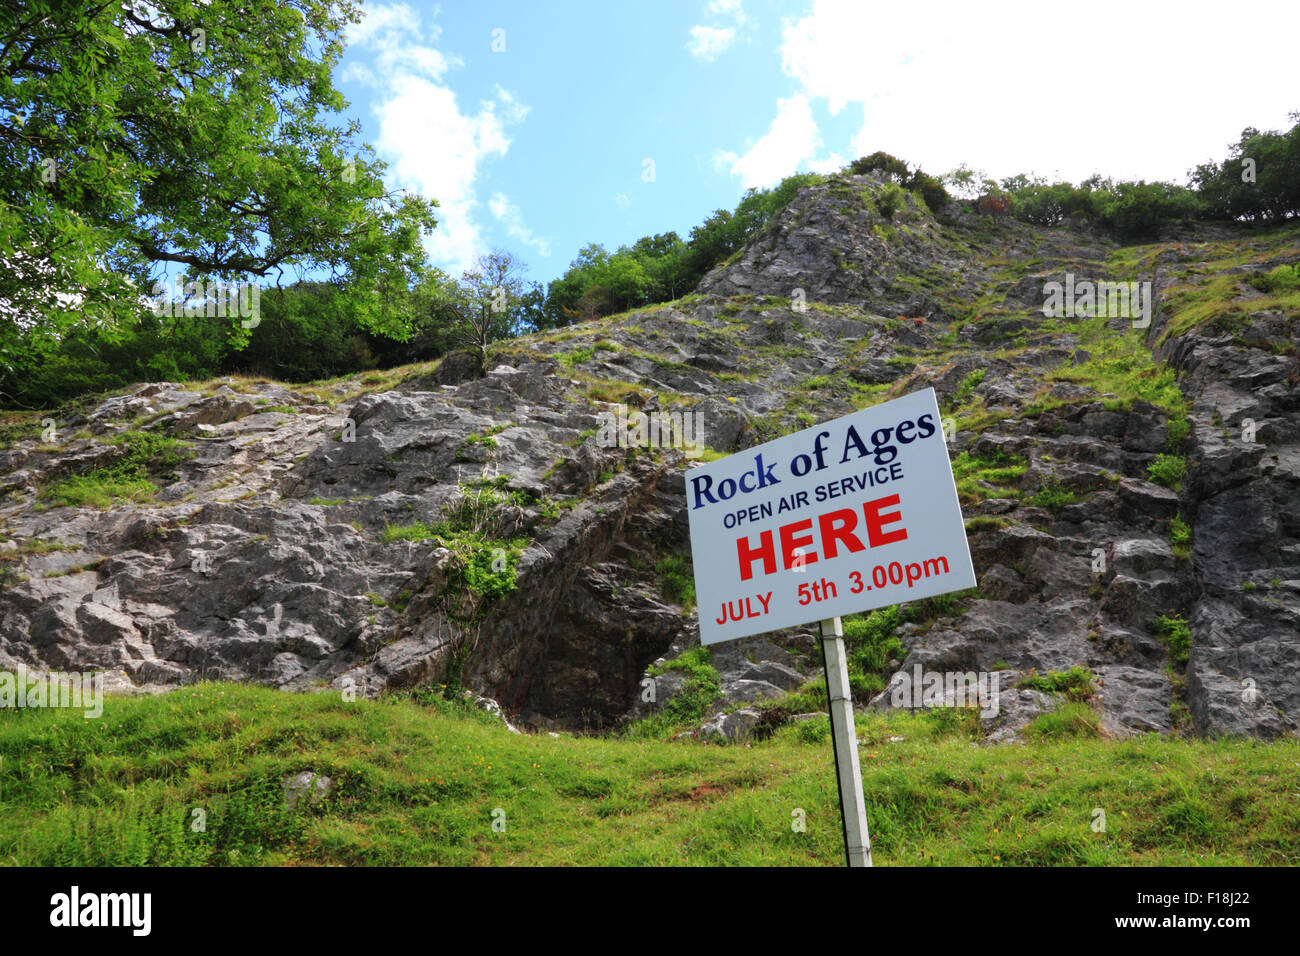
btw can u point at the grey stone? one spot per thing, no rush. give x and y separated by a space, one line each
734 726
307 788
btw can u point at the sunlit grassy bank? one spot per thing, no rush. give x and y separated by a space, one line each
423 781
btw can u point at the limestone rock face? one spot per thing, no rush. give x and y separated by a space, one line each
362 535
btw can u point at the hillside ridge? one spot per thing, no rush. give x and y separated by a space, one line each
423 525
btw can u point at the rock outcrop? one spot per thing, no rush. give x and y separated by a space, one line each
355 534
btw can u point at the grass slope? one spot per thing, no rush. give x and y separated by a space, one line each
418 779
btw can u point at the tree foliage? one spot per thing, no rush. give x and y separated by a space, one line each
662 267
183 135
1258 181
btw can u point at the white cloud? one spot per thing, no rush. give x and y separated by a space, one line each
393 33
513 109
1025 87
708 43
433 144
792 139
725 8
509 216
829 164
383 24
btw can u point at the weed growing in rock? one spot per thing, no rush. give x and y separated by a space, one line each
677 580
1052 496
1180 537
967 387
1168 470
128 478
687 707
870 640
482 568
1077 683
1176 635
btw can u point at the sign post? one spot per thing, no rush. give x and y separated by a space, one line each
847 516
844 741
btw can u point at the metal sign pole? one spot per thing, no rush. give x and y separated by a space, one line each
844 740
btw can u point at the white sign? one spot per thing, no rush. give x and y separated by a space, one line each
854 514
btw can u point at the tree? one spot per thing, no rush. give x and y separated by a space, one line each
964 181
302 335
626 281
191 135
490 302
663 258
711 242
1260 179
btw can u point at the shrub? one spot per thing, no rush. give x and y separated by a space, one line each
1177 429
865 686
968 386
1139 210
814 730
889 200
891 166
1281 280
677 580
995 204
931 190
699 689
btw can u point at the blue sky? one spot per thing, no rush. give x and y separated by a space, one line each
535 122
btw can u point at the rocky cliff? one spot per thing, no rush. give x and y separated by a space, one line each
1130 491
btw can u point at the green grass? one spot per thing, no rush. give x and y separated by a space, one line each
577 356
98 490
972 474
1053 497
1120 363
16 426
1218 302
1070 720
416 783
482 565
1077 683
616 393
130 476
985 523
